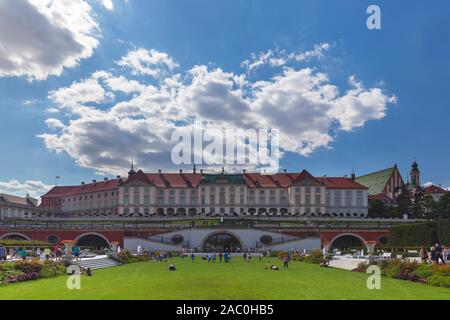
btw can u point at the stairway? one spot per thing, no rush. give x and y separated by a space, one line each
99 262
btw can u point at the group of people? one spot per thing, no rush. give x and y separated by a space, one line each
436 255
55 253
212 257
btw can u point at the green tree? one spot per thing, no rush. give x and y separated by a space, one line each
443 208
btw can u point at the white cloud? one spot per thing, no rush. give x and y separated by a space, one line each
277 58
32 187
39 38
147 63
427 184
307 108
53 123
108 4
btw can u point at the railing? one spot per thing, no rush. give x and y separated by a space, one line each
167 240
278 240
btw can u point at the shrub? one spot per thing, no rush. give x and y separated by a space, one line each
423 271
315 256
417 234
28 266
51 268
362 267
442 270
439 281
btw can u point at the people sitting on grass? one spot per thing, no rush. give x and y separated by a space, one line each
172 267
89 272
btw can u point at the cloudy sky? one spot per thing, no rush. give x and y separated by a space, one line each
87 85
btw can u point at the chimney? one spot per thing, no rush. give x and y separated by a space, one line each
201 171
243 171
181 171
285 171
353 176
82 183
345 176
117 177
105 179
94 181
159 171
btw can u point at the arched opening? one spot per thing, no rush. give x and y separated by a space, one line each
283 211
171 211
347 241
252 211
92 241
262 211
192 211
181 211
222 242
273 211
160 211
14 236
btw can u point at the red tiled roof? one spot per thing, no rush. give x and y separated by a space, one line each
341 183
175 180
62 191
434 189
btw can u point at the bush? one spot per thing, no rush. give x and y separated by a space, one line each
415 235
441 270
315 256
28 266
423 271
362 267
439 281
50 268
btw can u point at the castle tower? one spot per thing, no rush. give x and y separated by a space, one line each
415 175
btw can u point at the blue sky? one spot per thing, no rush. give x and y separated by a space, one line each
406 59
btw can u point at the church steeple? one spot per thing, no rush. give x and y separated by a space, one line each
131 172
415 175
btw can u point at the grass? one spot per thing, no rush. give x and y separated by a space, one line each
235 280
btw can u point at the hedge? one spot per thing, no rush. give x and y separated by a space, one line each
420 234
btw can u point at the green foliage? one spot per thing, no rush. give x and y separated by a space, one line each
23 243
25 270
439 281
423 271
315 256
444 231
414 235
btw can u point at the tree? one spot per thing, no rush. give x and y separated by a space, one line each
377 208
443 209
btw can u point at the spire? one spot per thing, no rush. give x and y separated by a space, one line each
195 169
131 172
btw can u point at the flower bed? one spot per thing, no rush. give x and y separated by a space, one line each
435 275
24 270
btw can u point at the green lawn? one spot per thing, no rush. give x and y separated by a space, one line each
236 280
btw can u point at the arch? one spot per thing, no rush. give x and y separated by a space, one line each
252 211
14 236
192 211
283 211
262 211
221 241
92 239
181 211
273 211
347 240
171 211
160 211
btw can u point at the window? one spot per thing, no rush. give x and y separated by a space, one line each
307 189
297 189
307 199
146 200
126 200
136 199
126 190
146 210
317 189
317 200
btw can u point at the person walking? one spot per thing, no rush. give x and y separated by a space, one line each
433 255
285 261
76 252
192 257
2 253
439 256
220 257
23 254
423 254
